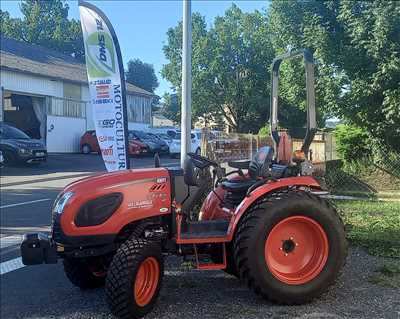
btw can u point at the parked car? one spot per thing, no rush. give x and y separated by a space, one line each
165 137
89 144
17 147
164 147
175 146
170 131
154 145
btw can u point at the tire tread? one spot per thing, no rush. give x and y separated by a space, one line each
247 226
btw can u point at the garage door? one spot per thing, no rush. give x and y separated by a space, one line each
64 133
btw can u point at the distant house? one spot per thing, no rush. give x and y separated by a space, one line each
160 120
45 93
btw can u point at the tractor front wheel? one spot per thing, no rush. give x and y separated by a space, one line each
134 278
290 247
84 273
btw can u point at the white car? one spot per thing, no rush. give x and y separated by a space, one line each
175 145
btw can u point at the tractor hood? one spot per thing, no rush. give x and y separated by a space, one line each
114 180
136 193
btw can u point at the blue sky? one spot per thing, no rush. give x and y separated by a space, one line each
141 26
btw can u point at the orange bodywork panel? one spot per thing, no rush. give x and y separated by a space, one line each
270 186
213 203
146 193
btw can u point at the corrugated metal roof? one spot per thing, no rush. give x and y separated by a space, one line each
34 59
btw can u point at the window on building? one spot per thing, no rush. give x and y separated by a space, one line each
69 106
66 107
72 91
139 109
147 113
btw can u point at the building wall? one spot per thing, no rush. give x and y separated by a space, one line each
64 133
162 121
67 130
30 84
138 126
139 108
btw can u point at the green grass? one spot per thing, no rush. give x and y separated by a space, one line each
374 225
388 275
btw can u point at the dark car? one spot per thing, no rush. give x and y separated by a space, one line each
17 147
145 138
164 147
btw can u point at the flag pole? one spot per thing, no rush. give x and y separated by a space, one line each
110 114
186 114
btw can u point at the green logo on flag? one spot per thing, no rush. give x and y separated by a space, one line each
100 58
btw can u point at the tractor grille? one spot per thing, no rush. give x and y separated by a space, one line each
56 233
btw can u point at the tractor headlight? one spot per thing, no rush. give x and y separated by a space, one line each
62 201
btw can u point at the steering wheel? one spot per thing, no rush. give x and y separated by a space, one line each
201 161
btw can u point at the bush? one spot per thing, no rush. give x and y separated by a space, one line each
352 143
265 130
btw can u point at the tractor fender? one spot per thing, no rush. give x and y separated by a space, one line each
269 187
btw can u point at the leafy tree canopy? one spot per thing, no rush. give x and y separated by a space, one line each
352 142
142 75
357 48
230 68
171 107
45 23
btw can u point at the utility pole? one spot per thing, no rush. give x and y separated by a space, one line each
186 112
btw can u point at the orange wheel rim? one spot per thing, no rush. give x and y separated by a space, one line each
296 250
146 281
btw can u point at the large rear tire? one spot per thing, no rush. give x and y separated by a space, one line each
290 247
80 273
134 278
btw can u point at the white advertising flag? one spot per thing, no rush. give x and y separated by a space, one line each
106 85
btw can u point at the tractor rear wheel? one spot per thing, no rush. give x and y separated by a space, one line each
82 273
134 278
290 247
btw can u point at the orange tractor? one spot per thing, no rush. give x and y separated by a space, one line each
263 222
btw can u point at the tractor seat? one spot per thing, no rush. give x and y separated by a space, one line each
241 164
239 185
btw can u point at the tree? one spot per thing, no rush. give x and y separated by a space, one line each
171 107
357 48
45 23
142 75
230 68
352 142
172 70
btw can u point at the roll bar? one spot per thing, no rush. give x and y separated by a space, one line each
311 117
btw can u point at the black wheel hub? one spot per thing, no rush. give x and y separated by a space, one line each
288 246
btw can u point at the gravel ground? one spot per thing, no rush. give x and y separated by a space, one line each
195 294
205 294
213 294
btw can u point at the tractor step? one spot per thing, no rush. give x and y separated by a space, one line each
205 229
207 265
